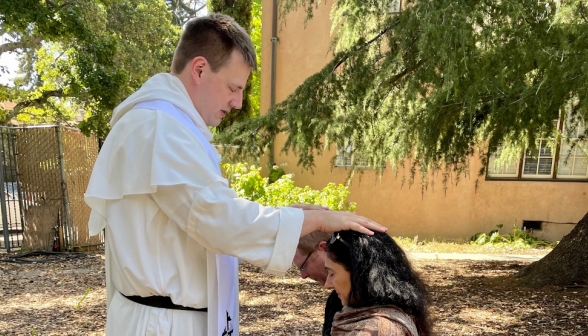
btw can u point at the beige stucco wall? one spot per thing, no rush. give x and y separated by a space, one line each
456 213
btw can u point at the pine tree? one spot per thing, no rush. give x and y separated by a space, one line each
241 11
434 83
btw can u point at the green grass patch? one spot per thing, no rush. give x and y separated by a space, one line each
517 242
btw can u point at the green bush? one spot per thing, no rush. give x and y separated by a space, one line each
249 184
246 181
275 173
517 239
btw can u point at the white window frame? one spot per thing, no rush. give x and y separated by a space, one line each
500 169
395 6
345 159
579 150
542 144
558 155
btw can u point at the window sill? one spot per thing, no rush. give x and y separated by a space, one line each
527 179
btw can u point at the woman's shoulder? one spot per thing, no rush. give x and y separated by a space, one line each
378 320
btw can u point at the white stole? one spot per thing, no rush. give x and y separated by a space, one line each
222 270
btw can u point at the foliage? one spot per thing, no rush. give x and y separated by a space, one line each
254 95
432 82
249 184
82 299
248 14
275 173
245 180
442 245
83 55
517 239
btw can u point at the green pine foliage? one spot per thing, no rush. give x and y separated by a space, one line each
248 14
249 184
433 82
254 95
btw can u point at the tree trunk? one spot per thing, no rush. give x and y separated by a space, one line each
565 265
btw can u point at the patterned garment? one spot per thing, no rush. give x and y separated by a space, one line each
332 307
373 321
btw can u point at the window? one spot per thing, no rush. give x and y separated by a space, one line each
573 155
395 6
538 162
572 161
496 168
345 158
567 160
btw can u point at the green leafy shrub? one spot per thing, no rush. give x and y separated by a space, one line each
517 239
245 180
249 184
275 173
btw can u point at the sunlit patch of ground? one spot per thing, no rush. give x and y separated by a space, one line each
467 298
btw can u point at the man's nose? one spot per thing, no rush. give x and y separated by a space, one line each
237 101
303 274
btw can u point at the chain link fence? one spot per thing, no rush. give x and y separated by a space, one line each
50 166
10 201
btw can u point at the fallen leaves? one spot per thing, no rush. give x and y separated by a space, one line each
68 297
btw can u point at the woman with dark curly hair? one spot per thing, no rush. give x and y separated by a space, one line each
380 292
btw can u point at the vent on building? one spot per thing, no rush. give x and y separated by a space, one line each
532 225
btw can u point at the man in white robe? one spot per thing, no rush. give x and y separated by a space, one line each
173 225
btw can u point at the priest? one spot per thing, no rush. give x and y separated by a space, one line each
174 230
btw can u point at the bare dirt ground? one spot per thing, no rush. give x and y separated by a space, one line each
67 297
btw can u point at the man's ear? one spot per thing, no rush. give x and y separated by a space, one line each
322 246
196 67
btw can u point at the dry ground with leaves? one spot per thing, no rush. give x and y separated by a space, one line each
67 297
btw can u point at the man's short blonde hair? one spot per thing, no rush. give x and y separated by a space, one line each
213 37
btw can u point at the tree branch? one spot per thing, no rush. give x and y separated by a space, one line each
199 9
365 44
186 8
12 46
37 101
582 12
393 81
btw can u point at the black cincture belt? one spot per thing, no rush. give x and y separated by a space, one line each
160 302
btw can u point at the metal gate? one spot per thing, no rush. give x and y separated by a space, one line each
11 202
45 170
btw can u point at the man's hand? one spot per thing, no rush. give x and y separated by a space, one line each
331 221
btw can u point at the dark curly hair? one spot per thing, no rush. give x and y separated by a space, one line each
380 274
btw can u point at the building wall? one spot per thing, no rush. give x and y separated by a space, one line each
457 212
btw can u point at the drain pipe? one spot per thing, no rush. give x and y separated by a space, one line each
274 40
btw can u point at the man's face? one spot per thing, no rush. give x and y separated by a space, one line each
219 92
314 267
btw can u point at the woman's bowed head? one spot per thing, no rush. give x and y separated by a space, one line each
377 286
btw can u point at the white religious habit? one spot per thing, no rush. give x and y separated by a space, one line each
173 225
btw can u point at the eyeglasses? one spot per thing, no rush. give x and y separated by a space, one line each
305 260
336 237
